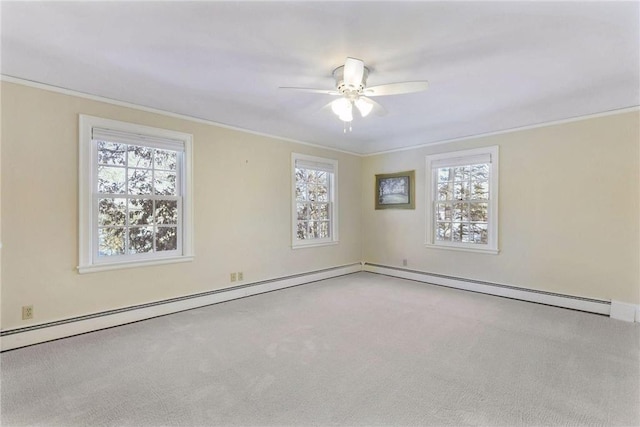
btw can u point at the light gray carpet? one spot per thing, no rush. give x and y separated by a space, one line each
362 349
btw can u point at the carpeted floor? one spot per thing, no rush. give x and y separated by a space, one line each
361 349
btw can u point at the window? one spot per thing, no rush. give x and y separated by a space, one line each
314 201
135 198
462 188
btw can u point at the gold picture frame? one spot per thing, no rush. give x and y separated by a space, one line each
396 190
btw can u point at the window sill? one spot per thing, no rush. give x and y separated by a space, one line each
314 245
94 268
463 249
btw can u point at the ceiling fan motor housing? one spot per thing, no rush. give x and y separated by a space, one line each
349 90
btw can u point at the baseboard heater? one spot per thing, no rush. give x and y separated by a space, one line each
514 292
35 334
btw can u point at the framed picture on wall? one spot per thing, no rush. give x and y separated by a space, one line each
395 190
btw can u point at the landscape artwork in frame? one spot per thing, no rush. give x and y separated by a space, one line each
395 190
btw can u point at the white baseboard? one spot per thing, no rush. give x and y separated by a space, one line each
559 300
625 311
35 334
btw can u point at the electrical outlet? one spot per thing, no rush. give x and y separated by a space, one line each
240 276
404 262
233 277
27 312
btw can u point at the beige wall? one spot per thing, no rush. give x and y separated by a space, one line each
568 210
557 183
242 211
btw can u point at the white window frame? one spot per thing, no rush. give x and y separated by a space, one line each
460 157
88 253
333 200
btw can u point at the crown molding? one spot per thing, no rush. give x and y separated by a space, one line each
510 130
57 89
70 92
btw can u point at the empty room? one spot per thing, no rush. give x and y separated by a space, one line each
219 213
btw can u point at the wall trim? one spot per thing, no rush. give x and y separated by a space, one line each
57 89
549 298
510 130
625 311
70 92
34 334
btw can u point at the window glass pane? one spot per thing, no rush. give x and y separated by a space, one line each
303 211
166 238
140 211
313 230
443 231
443 212
479 212
461 190
140 239
112 211
165 159
110 241
323 229
301 184
461 173
322 178
110 153
165 183
301 190
302 230
480 190
166 211
480 233
321 211
111 180
140 157
480 172
460 212
456 232
322 194
466 234
445 174
445 191
139 181
312 192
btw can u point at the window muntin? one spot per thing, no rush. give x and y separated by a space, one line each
314 183
135 195
138 200
462 188
462 206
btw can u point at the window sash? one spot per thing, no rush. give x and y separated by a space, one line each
468 158
310 163
88 227
96 196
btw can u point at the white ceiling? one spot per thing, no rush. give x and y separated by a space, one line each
491 66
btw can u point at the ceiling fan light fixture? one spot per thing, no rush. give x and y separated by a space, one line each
347 115
343 108
364 106
340 106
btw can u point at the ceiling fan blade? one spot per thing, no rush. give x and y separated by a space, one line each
353 72
312 90
396 88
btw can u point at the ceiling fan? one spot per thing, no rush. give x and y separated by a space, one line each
351 86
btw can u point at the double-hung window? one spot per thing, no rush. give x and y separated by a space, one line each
135 198
314 200
462 189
